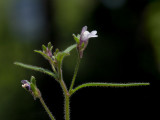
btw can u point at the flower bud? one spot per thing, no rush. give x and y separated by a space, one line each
31 87
26 85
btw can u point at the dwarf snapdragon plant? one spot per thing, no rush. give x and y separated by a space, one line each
55 59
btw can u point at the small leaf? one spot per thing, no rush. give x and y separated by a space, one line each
33 80
43 54
51 48
56 51
78 36
35 68
44 48
49 45
33 84
59 56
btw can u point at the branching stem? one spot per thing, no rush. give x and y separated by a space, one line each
66 96
108 85
63 85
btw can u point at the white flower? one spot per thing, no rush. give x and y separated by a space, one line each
83 39
85 35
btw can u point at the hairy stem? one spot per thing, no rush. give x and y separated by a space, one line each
63 85
75 74
65 93
67 108
107 85
66 100
53 68
46 108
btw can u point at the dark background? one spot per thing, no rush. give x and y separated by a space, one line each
127 50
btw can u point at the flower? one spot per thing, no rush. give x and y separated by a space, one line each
31 87
26 85
85 35
83 40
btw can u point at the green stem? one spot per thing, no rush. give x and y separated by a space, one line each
63 85
67 108
53 68
75 74
66 94
108 85
66 100
46 108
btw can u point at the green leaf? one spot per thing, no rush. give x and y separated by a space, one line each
44 48
60 55
33 84
49 45
78 36
51 48
56 51
44 55
35 68
70 48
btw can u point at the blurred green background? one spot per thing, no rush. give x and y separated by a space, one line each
127 50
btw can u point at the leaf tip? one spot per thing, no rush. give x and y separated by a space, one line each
16 63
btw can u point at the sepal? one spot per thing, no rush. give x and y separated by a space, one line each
76 38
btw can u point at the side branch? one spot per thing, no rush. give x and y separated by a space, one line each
108 85
46 108
75 74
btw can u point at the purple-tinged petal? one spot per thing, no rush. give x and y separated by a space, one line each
49 53
26 85
28 88
94 32
84 29
85 36
24 81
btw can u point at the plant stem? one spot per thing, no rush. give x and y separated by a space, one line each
66 100
67 108
63 85
75 74
108 85
46 108
66 94
53 68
